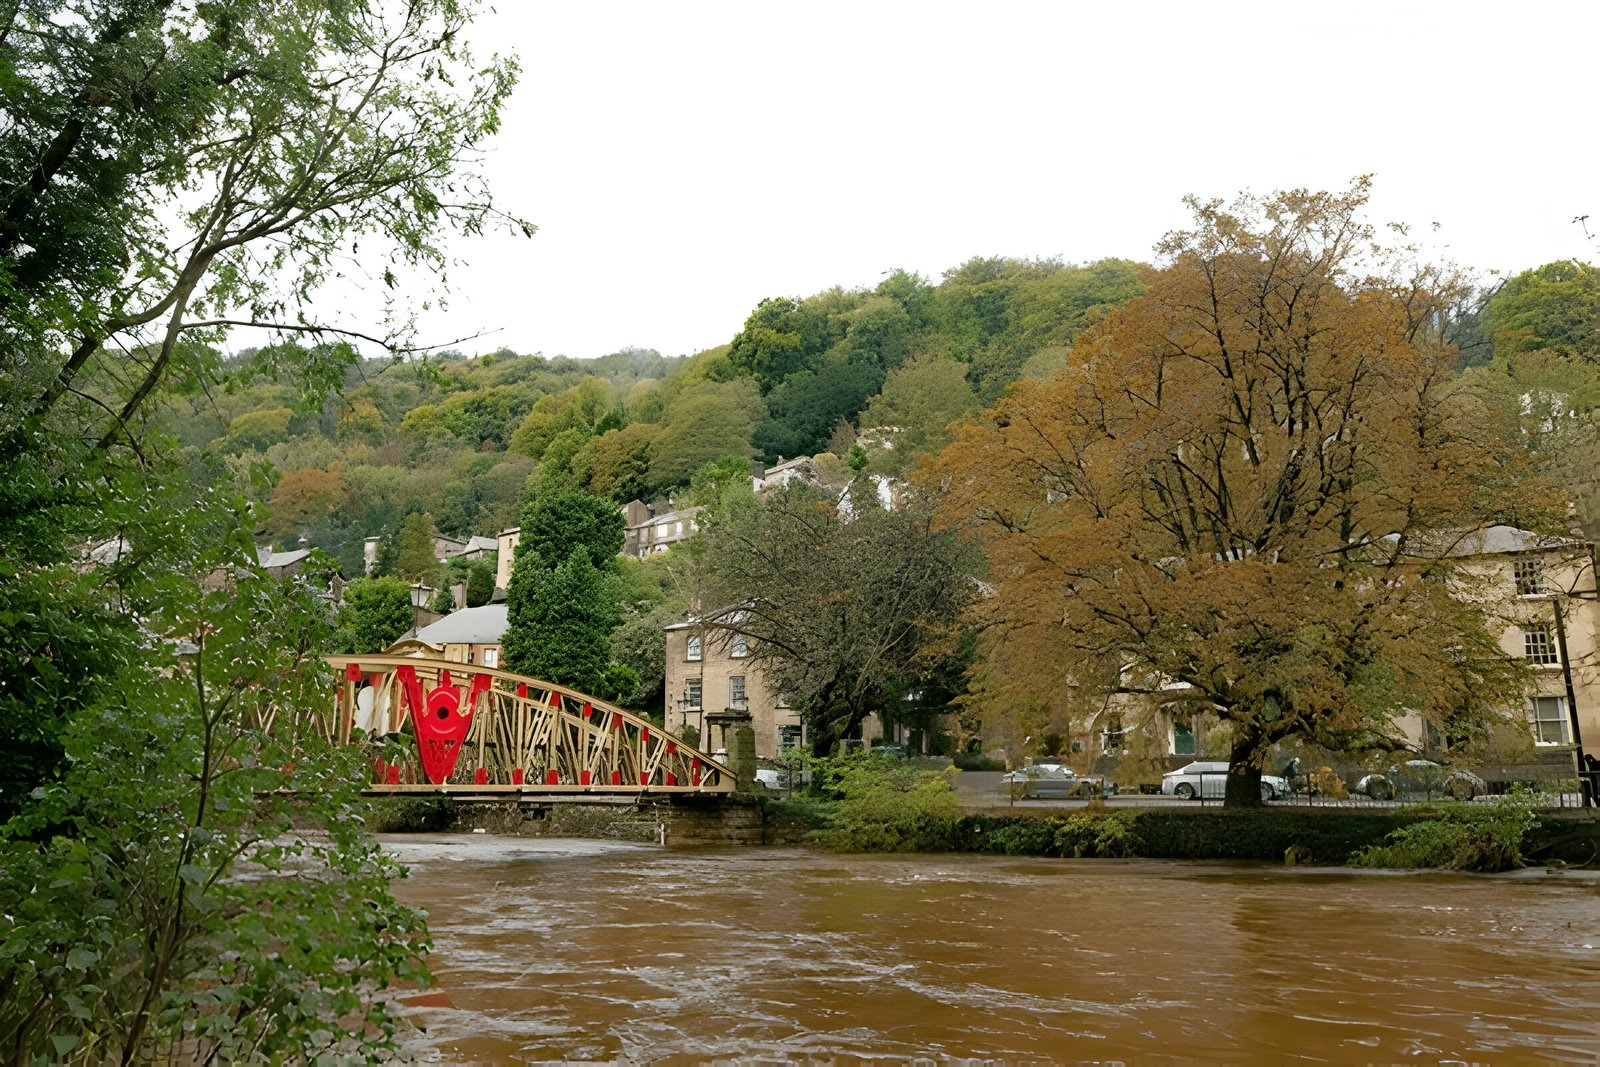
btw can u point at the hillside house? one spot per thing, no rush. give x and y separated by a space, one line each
646 533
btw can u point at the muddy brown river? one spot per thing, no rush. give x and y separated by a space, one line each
589 951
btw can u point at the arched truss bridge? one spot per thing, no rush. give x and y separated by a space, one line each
440 726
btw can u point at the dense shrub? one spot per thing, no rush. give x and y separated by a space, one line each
1029 837
1460 837
880 807
977 761
1330 836
1098 836
887 806
799 810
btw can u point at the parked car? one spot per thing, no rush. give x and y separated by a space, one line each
1421 777
1041 781
771 778
1210 779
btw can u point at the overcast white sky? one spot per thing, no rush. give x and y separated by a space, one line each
685 160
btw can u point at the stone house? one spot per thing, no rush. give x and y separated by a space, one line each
1543 589
645 533
714 686
472 635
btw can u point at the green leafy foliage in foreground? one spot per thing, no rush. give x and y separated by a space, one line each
162 896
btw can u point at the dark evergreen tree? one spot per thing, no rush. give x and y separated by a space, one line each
376 612
561 621
480 584
555 522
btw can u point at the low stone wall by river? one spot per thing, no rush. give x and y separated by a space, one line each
705 821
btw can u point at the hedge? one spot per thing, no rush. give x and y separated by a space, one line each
1323 837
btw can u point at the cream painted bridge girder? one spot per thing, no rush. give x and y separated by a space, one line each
526 737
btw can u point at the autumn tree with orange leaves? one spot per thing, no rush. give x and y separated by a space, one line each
1244 492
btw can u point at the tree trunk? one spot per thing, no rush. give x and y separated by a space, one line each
1244 767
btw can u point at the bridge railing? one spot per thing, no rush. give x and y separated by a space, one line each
439 726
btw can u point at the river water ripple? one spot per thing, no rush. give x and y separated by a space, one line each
587 951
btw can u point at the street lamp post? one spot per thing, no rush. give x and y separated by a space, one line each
1580 761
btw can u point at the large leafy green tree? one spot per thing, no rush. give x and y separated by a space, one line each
554 523
616 464
712 422
375 613
561 621
782 336
1555 308
415 556
167 173
807 405
842 602
916 409
128 933
480 584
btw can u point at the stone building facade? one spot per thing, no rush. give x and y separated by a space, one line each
714 686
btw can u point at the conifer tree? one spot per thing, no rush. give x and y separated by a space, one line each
562 605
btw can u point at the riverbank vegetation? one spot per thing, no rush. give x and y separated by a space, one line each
861 805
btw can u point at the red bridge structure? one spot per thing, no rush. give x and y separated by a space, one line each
446 727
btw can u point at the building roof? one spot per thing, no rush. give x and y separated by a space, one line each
476 543
270 559
1503 540
671 516
470 626
732 612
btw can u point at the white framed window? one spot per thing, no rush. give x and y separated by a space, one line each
491 657
1528 572
1539 646
695 648
736 694
691 693
1550 720
737 647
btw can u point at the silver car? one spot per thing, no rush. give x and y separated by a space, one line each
1210 780
1053 780
1421 777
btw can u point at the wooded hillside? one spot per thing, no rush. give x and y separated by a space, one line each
458 436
